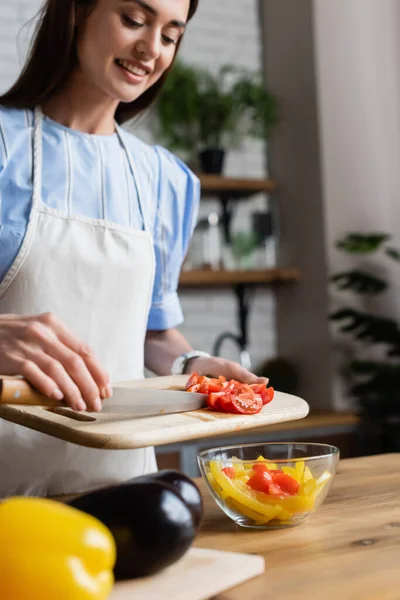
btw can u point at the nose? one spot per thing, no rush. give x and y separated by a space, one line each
149 44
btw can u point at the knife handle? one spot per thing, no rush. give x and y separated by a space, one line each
18 391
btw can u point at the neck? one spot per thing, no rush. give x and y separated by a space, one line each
81 107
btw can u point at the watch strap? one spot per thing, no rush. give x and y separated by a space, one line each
180 364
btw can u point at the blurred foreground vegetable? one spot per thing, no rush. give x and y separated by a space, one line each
49 551
153 519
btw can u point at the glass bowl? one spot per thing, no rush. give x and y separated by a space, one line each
272 485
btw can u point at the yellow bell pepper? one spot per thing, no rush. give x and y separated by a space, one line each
50 551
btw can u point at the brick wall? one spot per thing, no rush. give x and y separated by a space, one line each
226 31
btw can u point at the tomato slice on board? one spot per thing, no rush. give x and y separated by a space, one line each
266 394
230 396
214 400
193 380
246 405
214 385
194 388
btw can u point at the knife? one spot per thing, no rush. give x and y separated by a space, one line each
135 402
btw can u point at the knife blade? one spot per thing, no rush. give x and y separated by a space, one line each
139 402
135 402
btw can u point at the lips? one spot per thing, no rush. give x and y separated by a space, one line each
134 68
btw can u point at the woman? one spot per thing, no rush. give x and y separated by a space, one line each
94 226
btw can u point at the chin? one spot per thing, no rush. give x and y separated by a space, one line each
127 96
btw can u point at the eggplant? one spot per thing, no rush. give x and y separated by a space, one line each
185 487
152 525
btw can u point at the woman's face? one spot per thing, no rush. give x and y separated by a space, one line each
124 46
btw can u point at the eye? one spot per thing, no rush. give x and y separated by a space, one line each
167 40
131 23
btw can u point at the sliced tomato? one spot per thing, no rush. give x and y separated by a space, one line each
276 490
194 388
260 482
193 380
246 404
287 483
219 401
214 385
260 467
266 394
230 396
229 472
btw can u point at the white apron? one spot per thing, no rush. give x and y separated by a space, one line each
97 277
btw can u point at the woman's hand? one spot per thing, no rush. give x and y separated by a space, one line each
214 367
53 360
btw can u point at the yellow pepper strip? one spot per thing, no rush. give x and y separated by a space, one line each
239 469
271 465
307 474
216 487
251 514
290 471
321 482
299 467
50 551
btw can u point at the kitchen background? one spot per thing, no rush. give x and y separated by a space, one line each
335 67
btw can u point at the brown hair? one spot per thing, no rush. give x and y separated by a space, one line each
52 59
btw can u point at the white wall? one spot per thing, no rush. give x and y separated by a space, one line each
358 66
14 15
223 31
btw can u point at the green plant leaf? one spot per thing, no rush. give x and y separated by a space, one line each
360 282
368 328
362 243
393 253
199 109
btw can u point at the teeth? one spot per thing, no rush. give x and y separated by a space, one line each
132 69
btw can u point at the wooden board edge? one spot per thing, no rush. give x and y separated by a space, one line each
255 566
105 441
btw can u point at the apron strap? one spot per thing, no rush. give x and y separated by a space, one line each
133 169
37 158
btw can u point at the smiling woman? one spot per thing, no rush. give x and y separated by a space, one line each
101 29
94 227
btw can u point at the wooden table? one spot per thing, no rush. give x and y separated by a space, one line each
348 550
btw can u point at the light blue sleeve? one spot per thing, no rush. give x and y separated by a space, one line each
3 148
178 197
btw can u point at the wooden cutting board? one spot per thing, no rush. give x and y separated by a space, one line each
199 575
118 432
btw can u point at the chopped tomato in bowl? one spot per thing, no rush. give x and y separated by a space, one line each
272 485
231 396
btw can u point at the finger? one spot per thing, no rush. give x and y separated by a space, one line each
63 365
75 367
43 383
55 371
241 374
98 373
263 380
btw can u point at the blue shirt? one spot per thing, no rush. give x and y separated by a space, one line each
89 175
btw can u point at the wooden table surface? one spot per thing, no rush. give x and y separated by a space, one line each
348 550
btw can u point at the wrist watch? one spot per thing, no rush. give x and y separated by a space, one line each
180 364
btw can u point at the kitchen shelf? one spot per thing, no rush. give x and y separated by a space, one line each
207 277
234 188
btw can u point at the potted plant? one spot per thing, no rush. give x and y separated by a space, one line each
202 114
374 382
